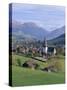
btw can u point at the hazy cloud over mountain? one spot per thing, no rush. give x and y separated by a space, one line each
46 16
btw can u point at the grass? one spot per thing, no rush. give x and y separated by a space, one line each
23 59
25 76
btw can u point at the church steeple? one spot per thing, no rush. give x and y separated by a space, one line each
45 48
45 43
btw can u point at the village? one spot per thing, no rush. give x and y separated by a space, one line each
44 53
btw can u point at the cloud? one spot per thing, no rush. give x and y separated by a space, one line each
47 16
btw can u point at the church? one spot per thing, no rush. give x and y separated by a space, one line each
47 50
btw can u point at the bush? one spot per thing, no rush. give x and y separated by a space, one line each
19 62
61 51
59 66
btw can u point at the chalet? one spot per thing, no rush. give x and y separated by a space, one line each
51 50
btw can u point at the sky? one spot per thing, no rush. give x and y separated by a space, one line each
49 17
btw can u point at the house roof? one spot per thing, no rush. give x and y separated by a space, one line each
50 49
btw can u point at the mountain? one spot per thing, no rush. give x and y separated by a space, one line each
59 41
28 30
31 32
56 33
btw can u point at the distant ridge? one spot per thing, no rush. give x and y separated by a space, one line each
59 41
29 29
56 33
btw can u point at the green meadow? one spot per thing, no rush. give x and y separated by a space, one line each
26 76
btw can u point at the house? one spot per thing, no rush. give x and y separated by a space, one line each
51 51
22 49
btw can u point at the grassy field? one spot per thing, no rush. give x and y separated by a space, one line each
26 76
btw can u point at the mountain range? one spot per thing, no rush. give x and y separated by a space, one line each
29 30
60 40
32 31
56 33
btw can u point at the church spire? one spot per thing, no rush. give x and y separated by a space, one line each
45 42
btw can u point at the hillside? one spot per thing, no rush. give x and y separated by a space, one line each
28 30
56 33
27 76
58 41
31 32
